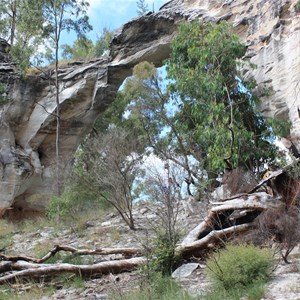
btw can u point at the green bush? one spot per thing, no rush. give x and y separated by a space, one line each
158 288
239 270
3 98
297 6
164 258
253 292
74 202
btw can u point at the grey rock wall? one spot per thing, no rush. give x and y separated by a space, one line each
270 29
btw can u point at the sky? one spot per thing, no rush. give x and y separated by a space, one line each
112 14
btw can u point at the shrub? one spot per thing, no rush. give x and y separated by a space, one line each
158 288
74 202
297 6
3 98
280 225
240 267
165 259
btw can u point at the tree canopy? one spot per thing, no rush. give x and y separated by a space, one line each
21 24
218 115
203 116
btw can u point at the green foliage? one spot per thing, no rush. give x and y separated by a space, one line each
75 201
80 49
204 111
27 24
294 170
65 15
241 269
297 6
146 103
21 24
217 115
164 258
84 48
158 288
279 127
22 55
253 292
102 43
3 98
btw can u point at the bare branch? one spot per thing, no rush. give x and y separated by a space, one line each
102 251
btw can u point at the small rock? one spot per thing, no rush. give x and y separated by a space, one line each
89 224
185 270
144 210
106 223
101 296
111 215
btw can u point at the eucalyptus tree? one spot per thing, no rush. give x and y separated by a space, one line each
205 119
21 25
59 16
9 15
102 43
81 49
151 109
85 48
218 116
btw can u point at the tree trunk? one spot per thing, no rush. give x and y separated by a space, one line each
29 270
13 22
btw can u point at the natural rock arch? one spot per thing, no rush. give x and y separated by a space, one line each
269 29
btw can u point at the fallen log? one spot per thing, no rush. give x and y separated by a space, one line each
257 202
127 252
224 220
32 271
210 240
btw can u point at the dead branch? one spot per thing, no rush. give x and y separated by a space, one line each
271 176
29 270
210 239
127 252
224 220
259 201
274 175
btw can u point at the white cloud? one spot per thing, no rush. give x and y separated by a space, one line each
110 6
112 14
121 6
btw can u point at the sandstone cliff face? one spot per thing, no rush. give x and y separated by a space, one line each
27 120
270 29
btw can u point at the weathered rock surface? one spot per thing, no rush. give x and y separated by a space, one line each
270 29
185 270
